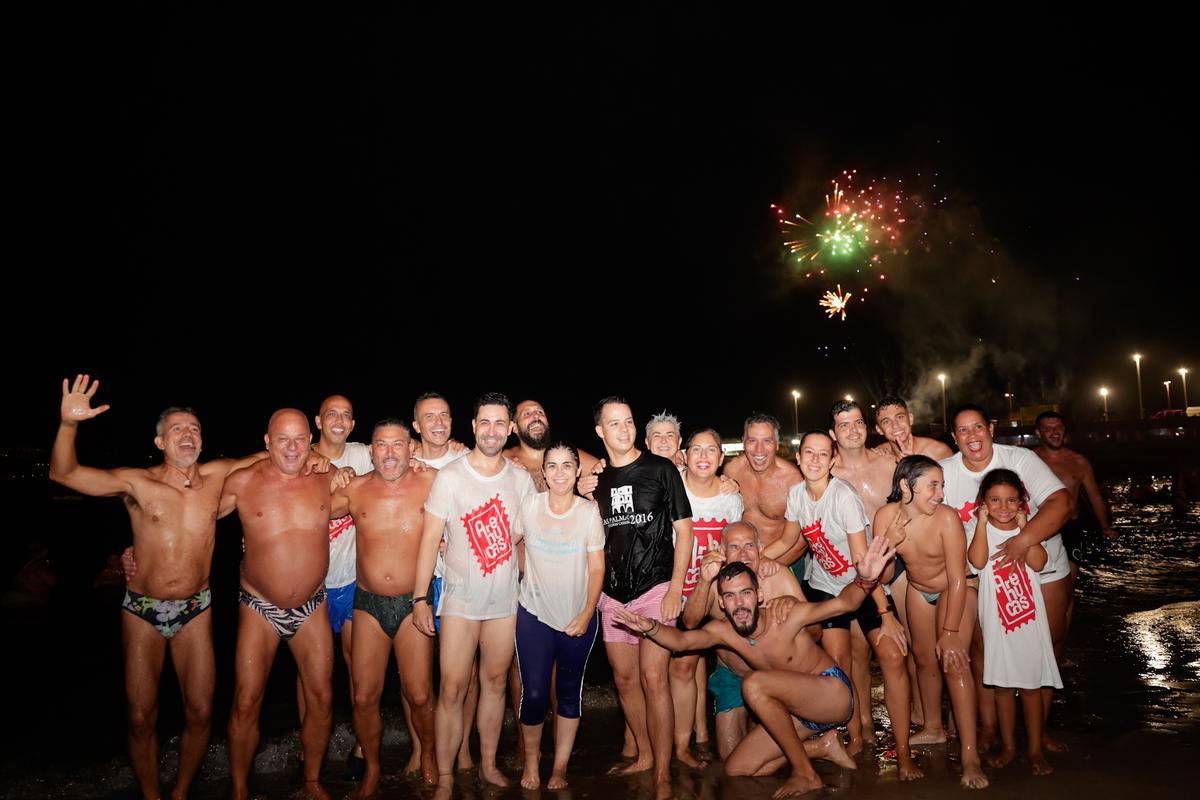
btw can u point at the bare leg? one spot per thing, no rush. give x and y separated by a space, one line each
414 658
1057 596
565 729
682 672
860 662
627 675
962 697
629 745
497 641
256 646
836 642
922 636
985 696
896 691
312 647
457 645
732 727
900 597
1031 706
759 755
371 652
1006 712
701 712
514 698
654 664
470 706
145 650
192 655
347 642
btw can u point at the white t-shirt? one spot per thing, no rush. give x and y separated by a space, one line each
1017 650
342 551
826 525
962 488
710 515
480 580
445 458
555 585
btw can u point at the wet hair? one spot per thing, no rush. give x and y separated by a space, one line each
908 470
760 419
891 400
663 416
427 396
841 407
964 408
1037 423
388 422
1001 477
748 524
162 418
816 432
561 444
732 570
612 399
710 431
492 399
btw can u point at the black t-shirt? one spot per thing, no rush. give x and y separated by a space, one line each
638 503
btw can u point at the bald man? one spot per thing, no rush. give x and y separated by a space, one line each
285 524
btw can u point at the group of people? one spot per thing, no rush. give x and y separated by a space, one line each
514 561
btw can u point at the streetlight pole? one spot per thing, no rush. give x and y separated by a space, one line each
1183 374
796 411
1168 385
1104 397
1137 363
1009 395
942 378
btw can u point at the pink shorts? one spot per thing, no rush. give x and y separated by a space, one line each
648 605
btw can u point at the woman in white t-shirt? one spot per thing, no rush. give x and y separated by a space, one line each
556 617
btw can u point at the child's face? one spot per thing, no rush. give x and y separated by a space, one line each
1003 503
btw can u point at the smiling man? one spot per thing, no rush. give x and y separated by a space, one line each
764 477
893 421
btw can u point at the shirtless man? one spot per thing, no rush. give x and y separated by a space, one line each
764 477
795 689
472 503
1049 507
893 421
739 542
388 506
335 421
285 523
173 512
929 537
871 476
1075 473
533 434
826 515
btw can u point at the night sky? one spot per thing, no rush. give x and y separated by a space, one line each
240 212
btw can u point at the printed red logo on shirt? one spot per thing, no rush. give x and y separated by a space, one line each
1014 595
339 526
488 534
708 537
964 513
828 556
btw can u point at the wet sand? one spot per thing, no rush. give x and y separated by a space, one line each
1130 710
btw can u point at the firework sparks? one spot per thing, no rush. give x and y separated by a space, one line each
835 304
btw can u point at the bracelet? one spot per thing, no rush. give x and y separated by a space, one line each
650 633
949 630
422 599
881 612
866 585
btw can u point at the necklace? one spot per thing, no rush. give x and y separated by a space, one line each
187 482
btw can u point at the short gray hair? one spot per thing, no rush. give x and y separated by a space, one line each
663 416
162 418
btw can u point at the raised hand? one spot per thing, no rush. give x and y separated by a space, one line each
711 565
77 400
768 567
635 622
780 607
875 560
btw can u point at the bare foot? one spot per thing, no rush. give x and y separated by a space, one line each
1039 763
1052 744
684 756
1001 758
464 760
927 736
908 769
973 777
798 784
493 776
987 740
414 764
638 765
662 790
369 784
445 787
856 745
832 750
314 791
558 780
429 769
530 778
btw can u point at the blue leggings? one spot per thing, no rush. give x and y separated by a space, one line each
539 648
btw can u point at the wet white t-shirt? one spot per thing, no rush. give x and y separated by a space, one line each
555 586
826 525
710 515
437 463
962 489
480 580
342 551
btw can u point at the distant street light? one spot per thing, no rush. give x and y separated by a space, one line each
1168 385
1183 374
849 399
796 411
1137 363
1104 397
942 378
1009 395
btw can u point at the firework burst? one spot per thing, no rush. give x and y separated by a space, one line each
835 304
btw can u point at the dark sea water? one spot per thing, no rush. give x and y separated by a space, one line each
1130 709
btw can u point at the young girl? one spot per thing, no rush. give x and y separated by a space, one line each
1017 650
